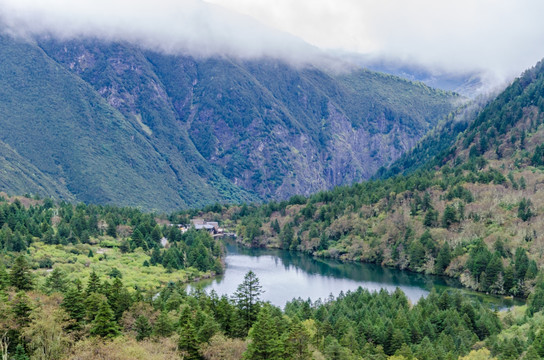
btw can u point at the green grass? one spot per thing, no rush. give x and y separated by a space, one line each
76 263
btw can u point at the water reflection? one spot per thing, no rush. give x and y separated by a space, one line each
286 275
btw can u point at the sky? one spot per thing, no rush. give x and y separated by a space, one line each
499 38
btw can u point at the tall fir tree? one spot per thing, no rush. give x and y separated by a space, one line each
188 342
56 281
4 277
104 324
93 284
163 326
20 275
20 353
247 299
143 328
265 342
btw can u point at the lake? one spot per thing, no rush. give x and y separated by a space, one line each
286 275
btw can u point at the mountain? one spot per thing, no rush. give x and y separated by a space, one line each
112 123
438 141
468 83
473 211
20 176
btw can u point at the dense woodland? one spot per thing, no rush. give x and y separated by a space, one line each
101 318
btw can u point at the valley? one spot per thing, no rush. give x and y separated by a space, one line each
375 217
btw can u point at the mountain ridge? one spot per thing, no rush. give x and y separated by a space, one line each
189 132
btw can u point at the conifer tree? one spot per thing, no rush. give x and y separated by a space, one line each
22 308
138 240
297 341
73 304
103 324
188 343
163 326
20 276
93 285
112 229
20 353
4 277
247 299
56 281
443 259
143 328
265 342
92 304
156 234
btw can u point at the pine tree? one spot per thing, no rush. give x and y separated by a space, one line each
286 236
163 326
155 257
276 226
73 304
22 308
431 217
93 285
492 271
20 275
4 277
143 328
188 343
265 342
112 229
426 202
56 281
156 234
92 304
297 342
138 240
20 353
247 299
103 324
449 217
119 298
443 259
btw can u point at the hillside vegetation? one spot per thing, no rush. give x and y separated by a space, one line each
90 282
476 215
109 123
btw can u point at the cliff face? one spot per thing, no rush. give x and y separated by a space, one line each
216 129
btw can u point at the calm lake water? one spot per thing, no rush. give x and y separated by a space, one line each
286 275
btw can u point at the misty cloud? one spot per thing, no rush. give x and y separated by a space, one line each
172 26
500 38
495 38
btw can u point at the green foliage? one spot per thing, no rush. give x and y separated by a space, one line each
56 281
524 209
265 342
103 324
20 275
74 304
20 353
163 326
143 328
188 343
247 300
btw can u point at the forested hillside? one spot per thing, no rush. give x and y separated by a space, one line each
474 213
96 282
76 288
110 123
